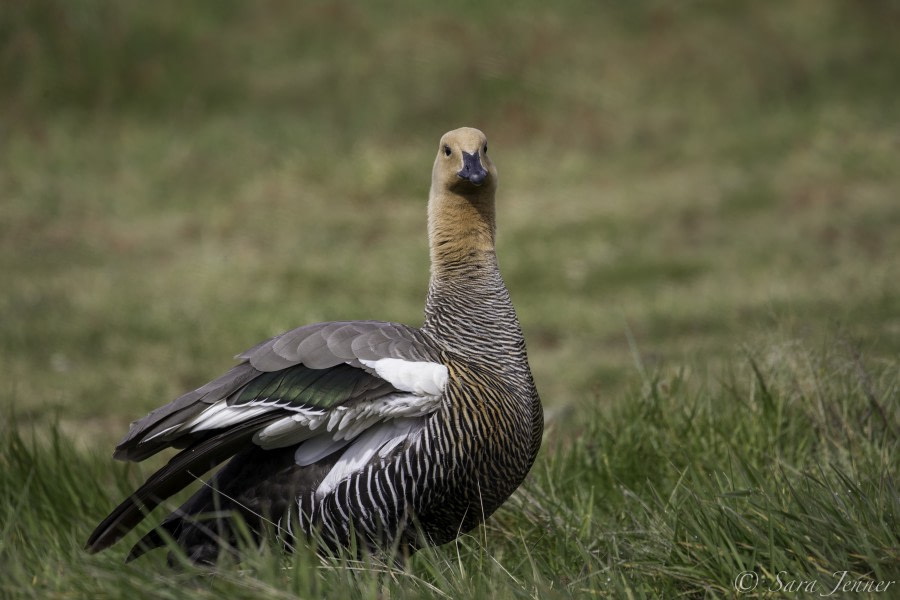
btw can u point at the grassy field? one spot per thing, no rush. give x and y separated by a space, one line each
699 225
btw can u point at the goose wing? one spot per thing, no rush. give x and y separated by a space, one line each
358 386
309 370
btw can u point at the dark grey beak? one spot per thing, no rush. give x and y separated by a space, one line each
472 169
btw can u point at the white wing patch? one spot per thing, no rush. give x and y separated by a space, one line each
220 415
291 429
343 422
419 377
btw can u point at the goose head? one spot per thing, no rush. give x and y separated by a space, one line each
461 223
462 165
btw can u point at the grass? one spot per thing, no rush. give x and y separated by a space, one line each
698 225
679 487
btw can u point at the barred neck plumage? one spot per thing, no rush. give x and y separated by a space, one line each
469 312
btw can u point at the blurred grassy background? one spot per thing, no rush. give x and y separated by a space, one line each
181 180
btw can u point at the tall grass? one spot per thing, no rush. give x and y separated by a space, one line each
676 488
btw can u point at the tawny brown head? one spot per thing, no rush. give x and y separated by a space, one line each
461 202
462 165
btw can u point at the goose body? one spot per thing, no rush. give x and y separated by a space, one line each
394 436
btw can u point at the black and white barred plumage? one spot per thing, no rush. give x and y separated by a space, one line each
363 431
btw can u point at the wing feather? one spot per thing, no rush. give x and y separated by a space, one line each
371 384
184 468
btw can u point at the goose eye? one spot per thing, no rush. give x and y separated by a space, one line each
485 148
447 150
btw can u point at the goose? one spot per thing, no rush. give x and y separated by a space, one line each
368 434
